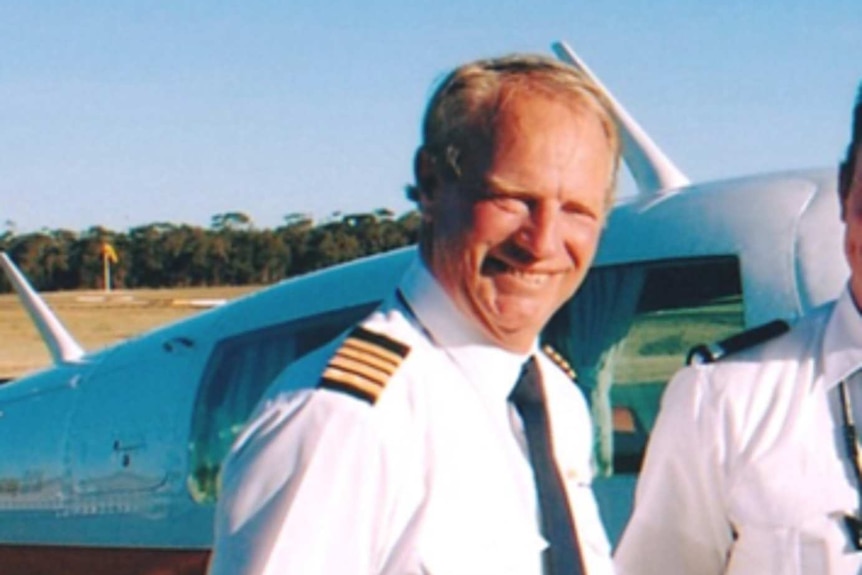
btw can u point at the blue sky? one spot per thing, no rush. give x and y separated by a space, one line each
122 113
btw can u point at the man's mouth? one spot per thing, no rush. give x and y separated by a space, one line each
496 267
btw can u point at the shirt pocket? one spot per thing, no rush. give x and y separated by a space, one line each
780 551
761 550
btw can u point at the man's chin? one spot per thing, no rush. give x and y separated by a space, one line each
511 323
517 334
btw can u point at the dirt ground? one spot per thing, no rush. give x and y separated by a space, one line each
96 319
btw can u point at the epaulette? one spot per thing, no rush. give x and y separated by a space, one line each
561 361
363 364
709 353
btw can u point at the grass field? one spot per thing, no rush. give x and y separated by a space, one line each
95 319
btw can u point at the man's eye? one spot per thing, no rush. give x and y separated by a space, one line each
578 210
509 204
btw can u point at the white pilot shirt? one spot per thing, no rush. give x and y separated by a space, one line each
431 478
746 471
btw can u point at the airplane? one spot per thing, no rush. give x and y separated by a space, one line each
110 459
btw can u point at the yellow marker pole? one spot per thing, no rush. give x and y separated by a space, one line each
109 256
106 270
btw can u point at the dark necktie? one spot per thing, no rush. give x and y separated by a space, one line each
563 557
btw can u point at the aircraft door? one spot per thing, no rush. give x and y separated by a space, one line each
128 450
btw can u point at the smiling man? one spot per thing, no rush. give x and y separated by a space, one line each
438 438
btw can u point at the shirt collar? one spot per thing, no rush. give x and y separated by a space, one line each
493 369
842 342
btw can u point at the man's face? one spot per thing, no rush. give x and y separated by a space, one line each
513 238
853 232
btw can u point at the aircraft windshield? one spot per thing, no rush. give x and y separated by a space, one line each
237 375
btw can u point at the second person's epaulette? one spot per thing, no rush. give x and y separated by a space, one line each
561 361
363 365
709 353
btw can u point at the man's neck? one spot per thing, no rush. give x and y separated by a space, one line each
856 294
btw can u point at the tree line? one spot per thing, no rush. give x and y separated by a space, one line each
231 251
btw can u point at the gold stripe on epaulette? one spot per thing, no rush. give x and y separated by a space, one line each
561 361
336 378
363 365
351 350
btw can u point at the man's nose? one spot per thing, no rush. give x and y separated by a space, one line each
540 233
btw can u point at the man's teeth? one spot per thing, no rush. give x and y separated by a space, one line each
529 277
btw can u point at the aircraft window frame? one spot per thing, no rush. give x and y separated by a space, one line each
629 323
237 373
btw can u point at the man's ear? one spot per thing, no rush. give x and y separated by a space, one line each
843 188
427 179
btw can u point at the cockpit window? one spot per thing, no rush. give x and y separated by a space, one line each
237 374
629 329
